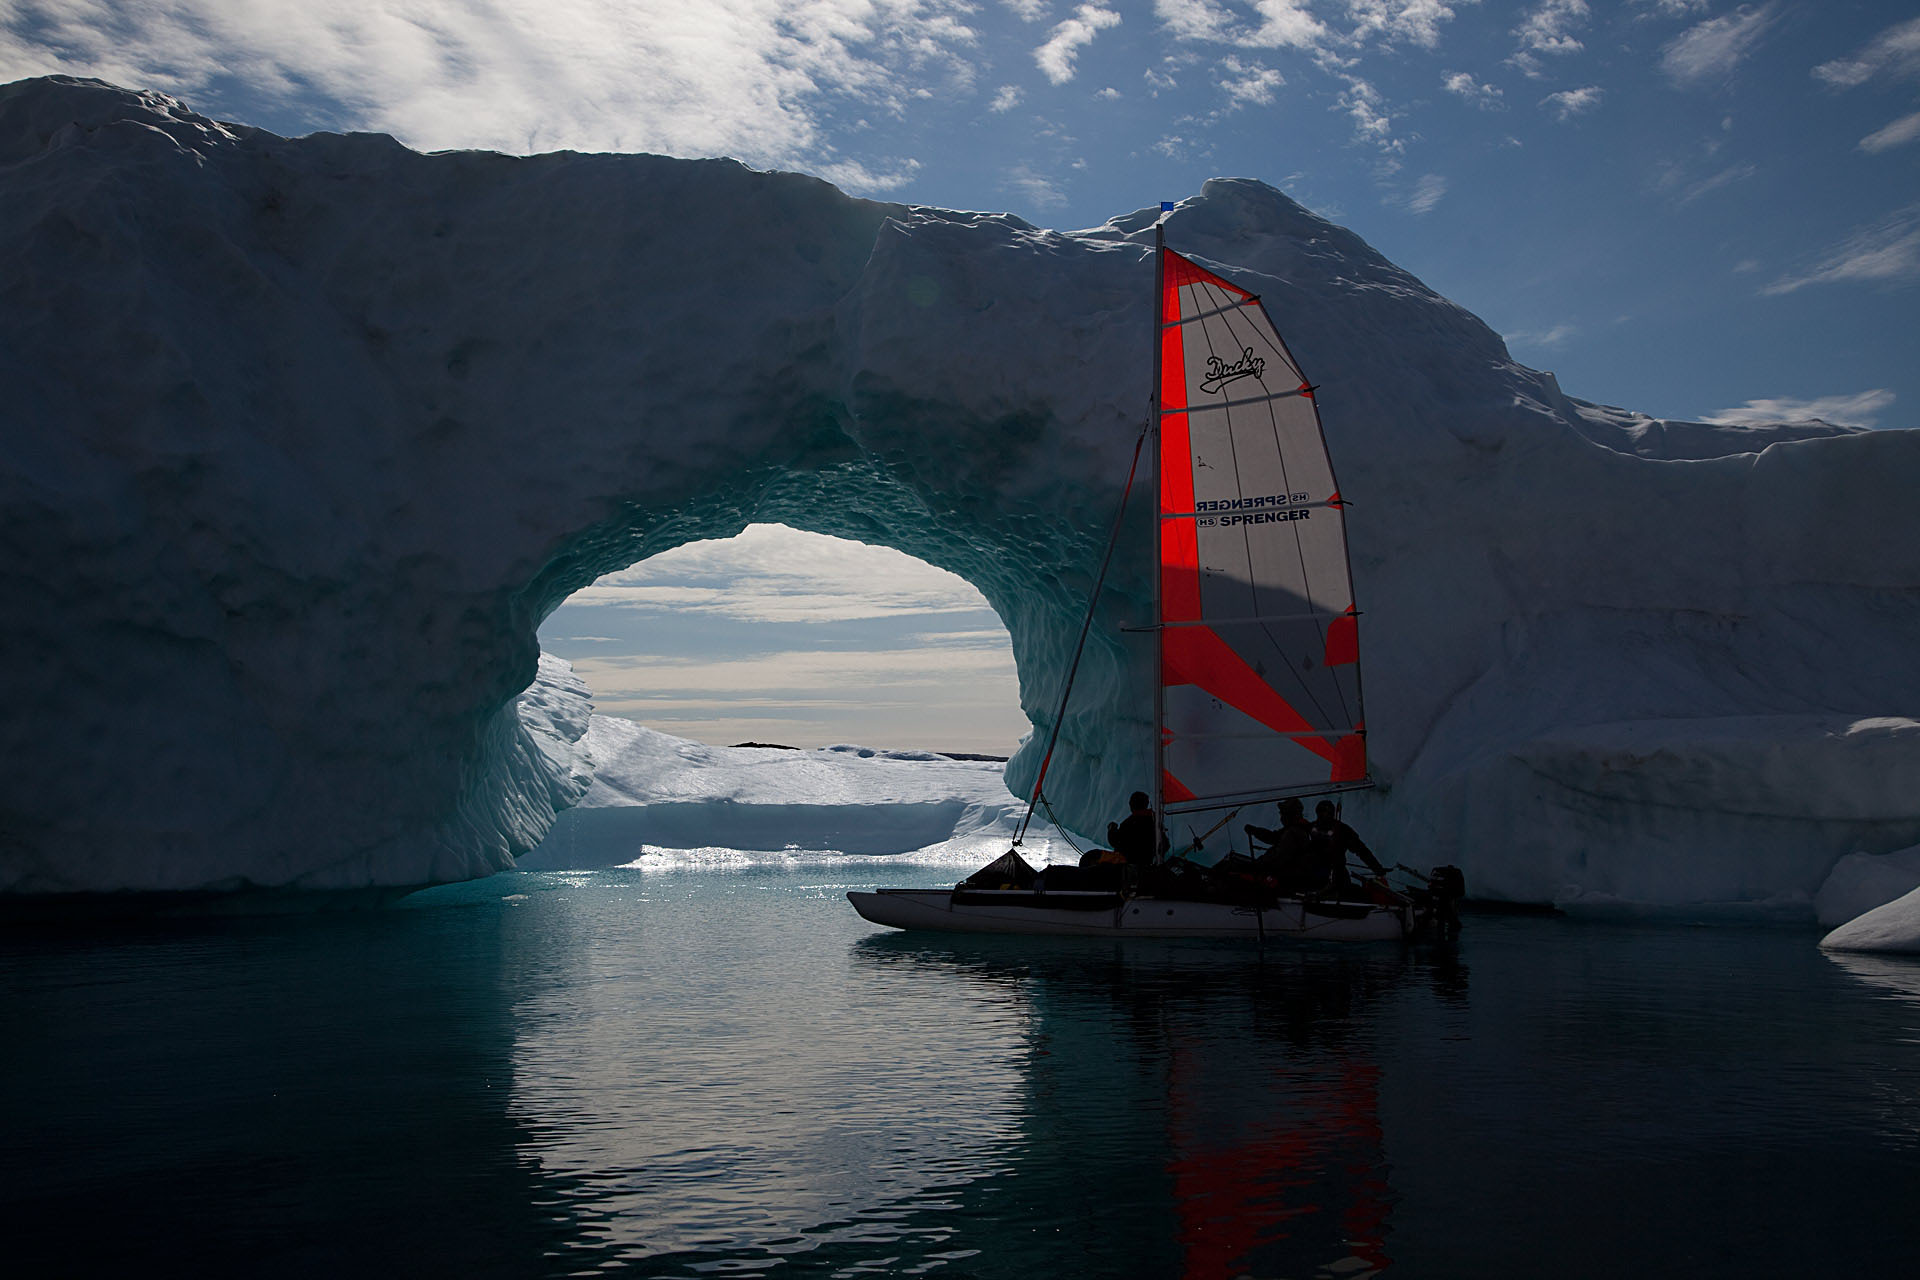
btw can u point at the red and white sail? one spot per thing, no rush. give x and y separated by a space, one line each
1259 647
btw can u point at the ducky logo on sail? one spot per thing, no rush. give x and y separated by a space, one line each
1220 373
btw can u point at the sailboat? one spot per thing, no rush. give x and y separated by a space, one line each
1258 694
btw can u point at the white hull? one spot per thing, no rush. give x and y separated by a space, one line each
1134 918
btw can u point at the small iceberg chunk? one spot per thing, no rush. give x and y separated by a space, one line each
1894 926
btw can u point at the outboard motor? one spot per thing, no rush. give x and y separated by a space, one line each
1439 900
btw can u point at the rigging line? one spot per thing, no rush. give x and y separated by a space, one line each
1066 837
1093 600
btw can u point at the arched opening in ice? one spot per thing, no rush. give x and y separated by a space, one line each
779 690
797 639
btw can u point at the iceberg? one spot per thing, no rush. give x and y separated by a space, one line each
305 437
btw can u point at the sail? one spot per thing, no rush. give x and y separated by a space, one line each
1259 645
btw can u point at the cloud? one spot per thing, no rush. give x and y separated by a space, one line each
1426 193
747 78
1861 409
1888 252
1894 52
1280 24
1027 10
796 674
1675 8
1555 337
1692 191
853 175
1549 27
1416 21
1057 56
1368 111
1899 133
1249 82
1194 19
770 573
1485 96
1006 98
1040 191
1712 49
1287 24
1569 103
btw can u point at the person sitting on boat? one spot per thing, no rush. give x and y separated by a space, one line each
1295 858
1342 840
1137 838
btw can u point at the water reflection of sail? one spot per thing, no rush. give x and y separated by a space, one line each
1305 1177
1193 1110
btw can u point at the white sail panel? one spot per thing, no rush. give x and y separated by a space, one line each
1259 648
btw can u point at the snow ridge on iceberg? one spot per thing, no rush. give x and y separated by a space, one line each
305 437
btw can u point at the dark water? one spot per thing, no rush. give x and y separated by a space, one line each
722 1071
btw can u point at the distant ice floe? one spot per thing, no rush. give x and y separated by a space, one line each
661 798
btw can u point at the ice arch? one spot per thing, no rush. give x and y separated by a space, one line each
305 437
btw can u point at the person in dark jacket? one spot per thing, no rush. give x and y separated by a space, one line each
1295 858
1341 840
1137 839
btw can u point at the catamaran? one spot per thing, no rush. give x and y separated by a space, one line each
1257 635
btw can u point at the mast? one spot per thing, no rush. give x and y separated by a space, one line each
1153 420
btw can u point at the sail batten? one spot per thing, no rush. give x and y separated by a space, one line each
1259 655
1252 400
1248 301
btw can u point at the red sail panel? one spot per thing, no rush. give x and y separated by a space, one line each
1259 634
1179 552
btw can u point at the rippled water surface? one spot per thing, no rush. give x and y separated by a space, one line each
719 1069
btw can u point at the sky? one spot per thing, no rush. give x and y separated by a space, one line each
798 639
1689 208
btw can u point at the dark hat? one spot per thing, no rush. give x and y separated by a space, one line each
1326 807
1292 805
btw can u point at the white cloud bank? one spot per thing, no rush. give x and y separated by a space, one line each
1569 103
1712 49
1887 252
1895 53
1897 134
774 574
747 78
1062 50
1861 409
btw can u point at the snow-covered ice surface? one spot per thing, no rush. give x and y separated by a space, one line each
653 793
304 438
